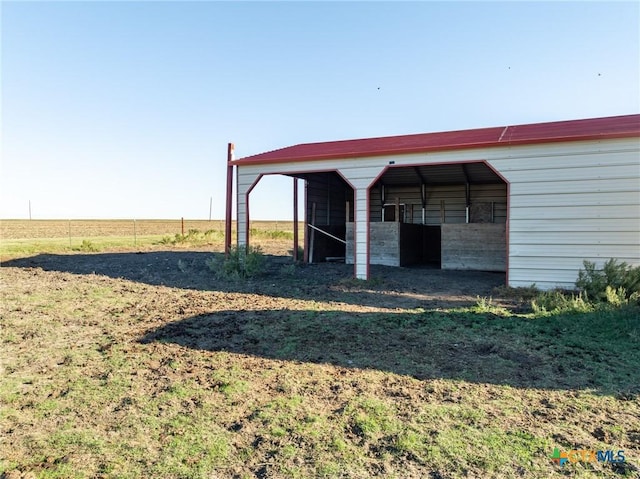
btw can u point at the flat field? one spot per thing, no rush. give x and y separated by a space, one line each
148 362
21 237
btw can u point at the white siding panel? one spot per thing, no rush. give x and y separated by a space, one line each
626 212
577 159
620 198
361 177
547 252
557 174
560 149
576 186
362 233
568 264
576 238
580 201
244 180
293 167
611 225
541 280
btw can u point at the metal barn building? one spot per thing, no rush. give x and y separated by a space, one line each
531 200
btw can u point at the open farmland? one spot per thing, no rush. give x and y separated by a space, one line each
39 229
20 237
143 362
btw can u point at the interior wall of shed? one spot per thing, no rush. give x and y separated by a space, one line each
481 245
444 203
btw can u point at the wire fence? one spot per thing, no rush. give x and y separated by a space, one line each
41 229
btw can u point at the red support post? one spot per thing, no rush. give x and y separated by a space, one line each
305 255
295 219
228 215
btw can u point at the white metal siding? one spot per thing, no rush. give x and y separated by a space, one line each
361 179
571 203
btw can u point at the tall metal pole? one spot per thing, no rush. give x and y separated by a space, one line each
228 215
295 219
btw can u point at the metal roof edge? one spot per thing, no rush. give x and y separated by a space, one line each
504 139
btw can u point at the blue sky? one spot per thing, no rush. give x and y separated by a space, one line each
124 109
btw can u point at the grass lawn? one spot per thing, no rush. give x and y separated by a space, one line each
298 374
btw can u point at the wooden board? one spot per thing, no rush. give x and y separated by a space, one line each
474 246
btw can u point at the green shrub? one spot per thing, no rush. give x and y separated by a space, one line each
560 302
242 262
87 246
192 237
166 240
616 282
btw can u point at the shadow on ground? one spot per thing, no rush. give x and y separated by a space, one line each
389 287
481 348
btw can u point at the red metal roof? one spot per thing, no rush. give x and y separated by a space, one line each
572 130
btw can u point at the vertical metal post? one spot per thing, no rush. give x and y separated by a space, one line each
210 207
312 233
182 226
423 200
229 205
306 223
295 219
467 195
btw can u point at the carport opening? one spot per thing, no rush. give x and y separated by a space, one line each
450 216
328 209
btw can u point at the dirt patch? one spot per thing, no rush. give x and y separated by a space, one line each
388 287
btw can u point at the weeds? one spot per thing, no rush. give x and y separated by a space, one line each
241 263
193 237
270 234
485 305
560 302
87 247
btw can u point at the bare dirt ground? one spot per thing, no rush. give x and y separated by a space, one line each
388 287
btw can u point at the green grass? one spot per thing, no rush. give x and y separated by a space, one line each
26 247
